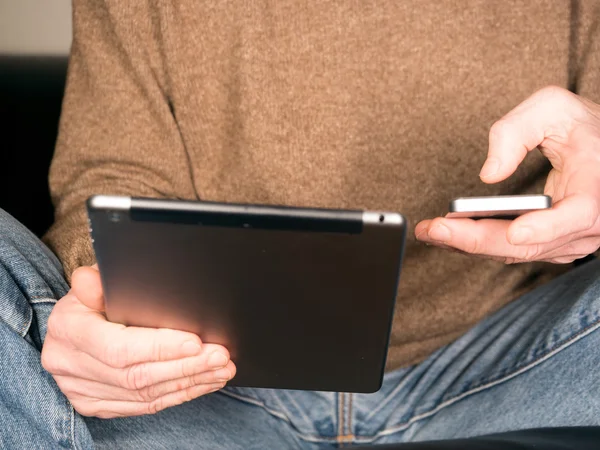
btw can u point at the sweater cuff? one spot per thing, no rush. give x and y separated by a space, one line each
70 240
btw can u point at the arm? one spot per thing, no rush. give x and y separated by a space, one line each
118 136
118 133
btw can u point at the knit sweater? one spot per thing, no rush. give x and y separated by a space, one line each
382 105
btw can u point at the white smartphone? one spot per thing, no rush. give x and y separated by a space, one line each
497 207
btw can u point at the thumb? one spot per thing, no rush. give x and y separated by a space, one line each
545 114
87 287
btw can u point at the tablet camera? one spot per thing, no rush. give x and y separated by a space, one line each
114 216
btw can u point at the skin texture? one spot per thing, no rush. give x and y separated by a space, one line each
108 370
566 129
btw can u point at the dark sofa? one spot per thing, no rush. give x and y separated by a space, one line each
31 90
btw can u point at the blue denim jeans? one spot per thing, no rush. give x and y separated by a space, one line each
532 364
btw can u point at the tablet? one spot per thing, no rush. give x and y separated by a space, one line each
302 298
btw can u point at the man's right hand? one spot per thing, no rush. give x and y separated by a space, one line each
109 370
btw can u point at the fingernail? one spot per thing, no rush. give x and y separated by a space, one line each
217 360
521 235
191 348
440 233
421 234
223 375
490 168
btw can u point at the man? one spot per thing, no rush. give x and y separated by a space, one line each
380 105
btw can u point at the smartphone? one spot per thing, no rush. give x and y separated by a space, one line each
497 207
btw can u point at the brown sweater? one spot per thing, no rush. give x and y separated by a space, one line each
348 104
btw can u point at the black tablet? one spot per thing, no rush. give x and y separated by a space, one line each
302 298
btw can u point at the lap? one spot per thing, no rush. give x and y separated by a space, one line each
531 364
35 413
215 421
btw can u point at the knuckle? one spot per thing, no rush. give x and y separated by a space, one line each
591 248
586 248
532 252
48 362
499 129
116 355
186 368
137 377
475 246
56 326
148 393
156 405
564 259
83 407
54 361
590 212
188 395
76 274
561 100
553 91
185 383
157 350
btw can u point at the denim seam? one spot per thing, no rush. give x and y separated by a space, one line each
350 431
550 353
518 367
280 415
27 324
72 425
38 300
340 432
388 431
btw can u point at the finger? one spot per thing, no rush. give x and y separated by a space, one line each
87 287
119 346
142 375
482 237
461 252
574 214
105 409
62 361
81 388
422 228
575 249
547 113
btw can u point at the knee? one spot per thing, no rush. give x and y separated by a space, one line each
11 229
26 264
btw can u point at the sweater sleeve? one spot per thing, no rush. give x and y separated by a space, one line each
117 133
584 70
584 60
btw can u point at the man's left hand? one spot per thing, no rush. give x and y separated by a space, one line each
566 129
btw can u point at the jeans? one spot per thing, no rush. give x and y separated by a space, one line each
534 363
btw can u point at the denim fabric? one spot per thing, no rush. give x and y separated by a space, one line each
33 411
531 364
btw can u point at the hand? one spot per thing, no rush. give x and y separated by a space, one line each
109 370
566 129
